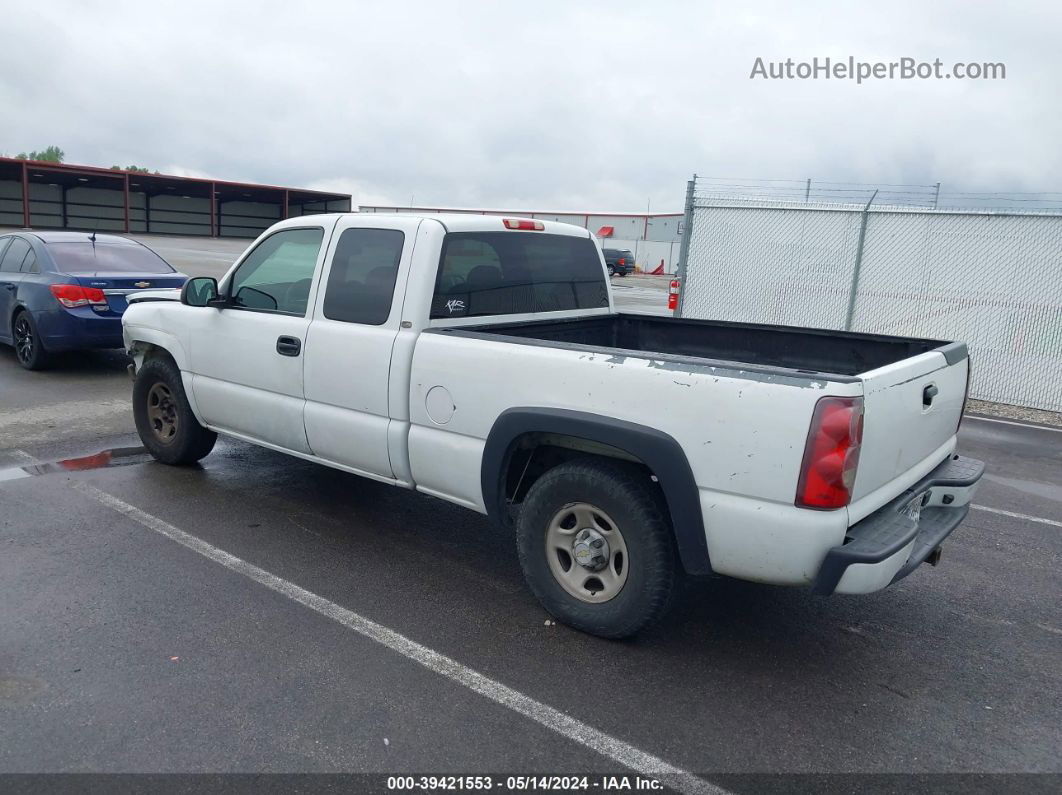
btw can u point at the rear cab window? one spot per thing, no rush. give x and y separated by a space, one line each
507 273
100 257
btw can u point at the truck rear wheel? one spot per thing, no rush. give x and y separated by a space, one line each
164 420
595 546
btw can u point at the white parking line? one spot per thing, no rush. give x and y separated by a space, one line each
553 719
1012 422
1025 516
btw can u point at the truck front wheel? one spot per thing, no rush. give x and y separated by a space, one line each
595 547
164 420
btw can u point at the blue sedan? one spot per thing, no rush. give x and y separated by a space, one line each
62 291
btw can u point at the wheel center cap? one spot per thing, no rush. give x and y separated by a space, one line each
590 549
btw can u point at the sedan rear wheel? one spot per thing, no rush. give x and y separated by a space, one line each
28 349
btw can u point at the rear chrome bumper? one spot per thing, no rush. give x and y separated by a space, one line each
897 538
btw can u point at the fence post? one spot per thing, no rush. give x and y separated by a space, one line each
25 196
684 248
858 263
125 203
807 191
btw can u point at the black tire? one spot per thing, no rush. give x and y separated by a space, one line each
628 497
158 391
29 350
611 271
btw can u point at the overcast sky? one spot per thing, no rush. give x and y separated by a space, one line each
532 105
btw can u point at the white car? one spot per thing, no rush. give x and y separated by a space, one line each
480 360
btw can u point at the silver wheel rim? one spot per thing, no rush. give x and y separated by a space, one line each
572 530
23 339
162 413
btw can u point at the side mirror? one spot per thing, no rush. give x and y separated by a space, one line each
200 291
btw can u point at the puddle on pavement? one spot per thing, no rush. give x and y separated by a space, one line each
119 456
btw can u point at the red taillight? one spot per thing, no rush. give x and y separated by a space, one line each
72 295
831 454
621 260
523 223
672 295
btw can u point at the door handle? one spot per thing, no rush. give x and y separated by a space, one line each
288 346
9 286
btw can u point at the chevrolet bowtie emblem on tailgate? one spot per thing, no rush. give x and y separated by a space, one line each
141 284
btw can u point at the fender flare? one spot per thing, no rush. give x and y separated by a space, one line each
160 339
659 451
171 345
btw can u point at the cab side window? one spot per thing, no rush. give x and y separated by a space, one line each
361 283
276 276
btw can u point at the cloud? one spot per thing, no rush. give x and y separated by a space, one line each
549 105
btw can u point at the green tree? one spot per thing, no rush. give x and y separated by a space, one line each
134 169
53 154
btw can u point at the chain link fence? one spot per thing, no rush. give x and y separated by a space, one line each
992 279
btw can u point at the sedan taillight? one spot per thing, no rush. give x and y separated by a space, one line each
74 295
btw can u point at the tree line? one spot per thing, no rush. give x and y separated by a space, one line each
53 154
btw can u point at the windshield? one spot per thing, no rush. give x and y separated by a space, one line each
86 257
505 273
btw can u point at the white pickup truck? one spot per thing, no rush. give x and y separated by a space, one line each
480 360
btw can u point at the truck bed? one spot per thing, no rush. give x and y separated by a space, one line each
834 353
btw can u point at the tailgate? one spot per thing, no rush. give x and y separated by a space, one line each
911 409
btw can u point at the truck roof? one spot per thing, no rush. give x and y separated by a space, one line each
469 222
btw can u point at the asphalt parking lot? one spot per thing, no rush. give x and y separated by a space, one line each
261 613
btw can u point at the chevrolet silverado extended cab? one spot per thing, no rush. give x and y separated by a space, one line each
480 360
